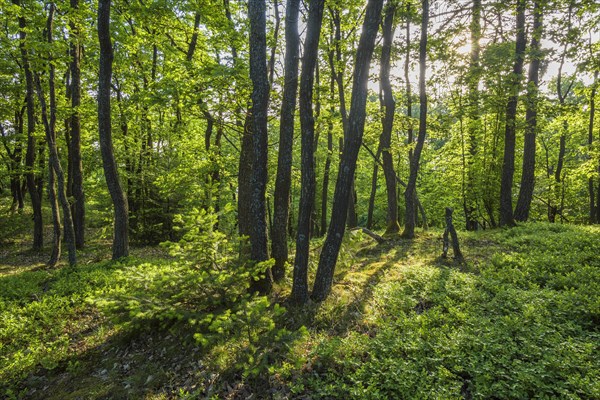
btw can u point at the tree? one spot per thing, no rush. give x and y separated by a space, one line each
409 193
470 197
528 175
120 246
76 169
341 197
508 165
388 119
307 123
260 101
281 201
55 167
33 188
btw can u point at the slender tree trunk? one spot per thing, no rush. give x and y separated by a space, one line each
32 186
388 120
508 166
409 193
409 132
470 198
307 123
590 144
371 208
528 174
120 246
326 172
56 227
260 101
337 21
245 184
281 201
75 130
54 165
333 241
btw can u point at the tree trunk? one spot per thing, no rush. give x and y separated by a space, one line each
337 21
590 144
326 172
333 241
528 174
388 120
452 232
54 165
508 166
373 188
470 198
75 130
260 101
56 227
281 201
409 193
120 246
32 186
307 123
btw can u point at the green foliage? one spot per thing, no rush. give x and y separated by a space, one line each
525 326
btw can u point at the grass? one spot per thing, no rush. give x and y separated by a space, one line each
519 319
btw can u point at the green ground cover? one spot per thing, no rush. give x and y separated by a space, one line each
519 319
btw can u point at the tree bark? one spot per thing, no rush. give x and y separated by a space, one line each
508 166
409 193
333 241
54 165
470 198
450 230
590 144
337 21
528 174
120 246
281 200
32 186
260 100
307 123
388 120
75 131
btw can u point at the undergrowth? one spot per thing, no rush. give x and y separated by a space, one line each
519 319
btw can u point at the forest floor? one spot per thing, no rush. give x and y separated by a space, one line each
520 318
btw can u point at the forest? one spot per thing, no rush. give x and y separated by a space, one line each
293 200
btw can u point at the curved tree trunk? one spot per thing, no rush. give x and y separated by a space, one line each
54 165
260 101
281 201
388 119
120 246
331 247
307 123
508 166
409 193
528 174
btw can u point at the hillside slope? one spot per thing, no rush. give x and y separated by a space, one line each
519 319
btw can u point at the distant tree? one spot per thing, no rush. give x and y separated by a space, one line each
508 166
33 188
528 175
